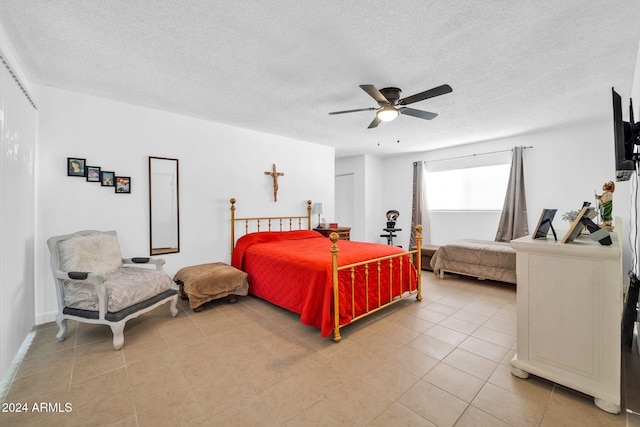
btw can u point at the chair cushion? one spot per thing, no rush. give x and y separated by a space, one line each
125 287
95 253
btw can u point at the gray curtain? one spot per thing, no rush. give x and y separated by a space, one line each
419 210
513 222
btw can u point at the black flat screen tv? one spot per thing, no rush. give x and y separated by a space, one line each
623 140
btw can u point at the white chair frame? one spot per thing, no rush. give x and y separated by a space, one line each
116 321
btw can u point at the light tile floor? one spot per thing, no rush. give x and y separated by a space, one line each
443 362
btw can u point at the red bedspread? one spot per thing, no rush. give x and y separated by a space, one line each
292 269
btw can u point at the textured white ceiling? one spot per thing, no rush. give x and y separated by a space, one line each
281 66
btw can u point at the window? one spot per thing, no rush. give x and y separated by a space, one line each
470 189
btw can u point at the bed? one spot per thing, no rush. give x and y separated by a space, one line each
478 258
330 283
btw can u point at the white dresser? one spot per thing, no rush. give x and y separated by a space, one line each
569 303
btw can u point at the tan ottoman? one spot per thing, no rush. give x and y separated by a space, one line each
427 253
206 282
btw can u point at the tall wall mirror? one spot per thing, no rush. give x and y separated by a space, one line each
164 208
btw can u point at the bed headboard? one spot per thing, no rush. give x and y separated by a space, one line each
269 223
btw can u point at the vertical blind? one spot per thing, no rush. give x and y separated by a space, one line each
17 192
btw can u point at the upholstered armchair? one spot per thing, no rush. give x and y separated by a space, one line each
94 284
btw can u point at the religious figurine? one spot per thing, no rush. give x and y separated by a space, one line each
605 204
274 174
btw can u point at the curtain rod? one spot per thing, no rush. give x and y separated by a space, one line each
473 155
15 78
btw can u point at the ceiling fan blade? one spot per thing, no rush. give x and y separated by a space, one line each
418 113
374 123
374 93
436 91
353 111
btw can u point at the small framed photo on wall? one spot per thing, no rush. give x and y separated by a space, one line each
107 179
93 173
76 166
123 184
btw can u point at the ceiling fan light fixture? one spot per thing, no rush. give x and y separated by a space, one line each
387 113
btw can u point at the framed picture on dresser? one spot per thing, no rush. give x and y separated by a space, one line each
544 224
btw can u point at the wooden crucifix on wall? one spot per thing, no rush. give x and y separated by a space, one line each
274 174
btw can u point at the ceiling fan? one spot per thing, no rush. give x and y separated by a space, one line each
391 105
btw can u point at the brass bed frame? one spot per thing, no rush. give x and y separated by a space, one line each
289 223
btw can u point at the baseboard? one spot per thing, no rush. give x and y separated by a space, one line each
42 318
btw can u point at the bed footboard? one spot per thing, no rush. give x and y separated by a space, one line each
380 266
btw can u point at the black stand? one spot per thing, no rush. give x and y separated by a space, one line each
630 313
553 230
390 234
596 233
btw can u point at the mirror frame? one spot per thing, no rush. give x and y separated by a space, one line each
164 250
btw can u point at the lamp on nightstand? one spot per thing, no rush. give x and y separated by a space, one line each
318 208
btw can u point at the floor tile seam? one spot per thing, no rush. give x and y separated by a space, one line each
322 396
433 357
497 330
488 342
76 358
490 414
430 321
489 360
480 324
546 406
488 316
16 374
95 375
397 402
49 354
264 318
128 376
455 330
518 393
497 416
456 307
442 341
73 361
478 355
461 371
450 394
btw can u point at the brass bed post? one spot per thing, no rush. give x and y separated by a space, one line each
336 302
308 214
233 223
419 260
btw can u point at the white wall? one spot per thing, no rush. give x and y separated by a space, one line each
369 175
18 121
563 169
449 226
217 162
376 202
355 165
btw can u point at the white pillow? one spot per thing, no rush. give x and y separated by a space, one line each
94 253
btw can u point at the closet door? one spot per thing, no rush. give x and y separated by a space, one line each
344 193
